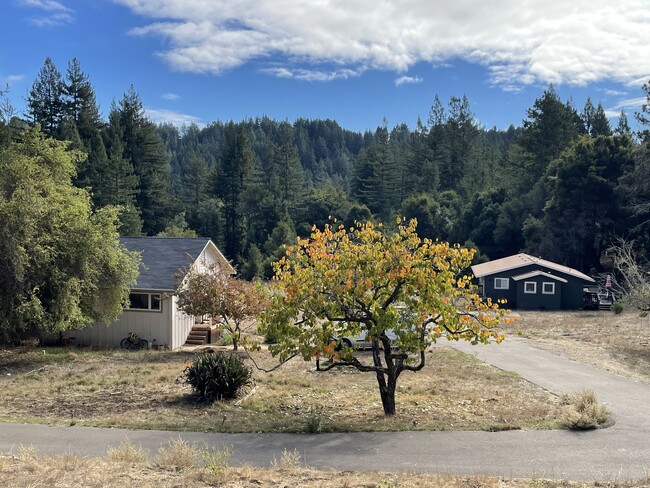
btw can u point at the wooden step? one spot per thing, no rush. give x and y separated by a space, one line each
198 336
199 333
205 327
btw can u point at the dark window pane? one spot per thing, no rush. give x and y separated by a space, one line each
155 301
139 301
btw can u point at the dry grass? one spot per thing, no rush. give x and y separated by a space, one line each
178 456
127 452
618 343
585 412
140 390
72 472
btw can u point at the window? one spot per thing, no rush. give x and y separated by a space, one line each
530 287
145 301
548 288
501 283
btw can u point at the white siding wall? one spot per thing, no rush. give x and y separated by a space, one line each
169 327
146 324
181 325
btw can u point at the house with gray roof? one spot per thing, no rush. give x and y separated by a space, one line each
153 311
528 282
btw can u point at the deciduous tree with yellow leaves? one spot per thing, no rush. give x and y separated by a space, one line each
341 282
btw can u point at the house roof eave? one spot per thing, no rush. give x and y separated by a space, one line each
520 260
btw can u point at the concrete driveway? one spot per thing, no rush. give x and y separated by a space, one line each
618 452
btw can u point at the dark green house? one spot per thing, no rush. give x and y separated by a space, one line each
527 282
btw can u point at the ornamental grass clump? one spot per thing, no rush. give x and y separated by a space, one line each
217 376
584 411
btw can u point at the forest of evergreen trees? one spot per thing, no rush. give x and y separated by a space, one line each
562 184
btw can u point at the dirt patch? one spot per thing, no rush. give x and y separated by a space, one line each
143 390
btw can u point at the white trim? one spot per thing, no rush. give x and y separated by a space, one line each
532 274
544 292
534 291
219 254
150 296
501 280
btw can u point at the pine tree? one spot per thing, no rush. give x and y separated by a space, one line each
45 102
288 166
421 170
623 127
550 127
600 125
92 173
376 182
195 181
80 102
460 135
232 179
643 117
587 115
144 148
120 182
582 211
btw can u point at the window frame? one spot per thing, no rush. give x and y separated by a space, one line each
501 280
150 301
544 292
534 291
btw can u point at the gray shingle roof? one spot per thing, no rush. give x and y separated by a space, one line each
162 258
520 260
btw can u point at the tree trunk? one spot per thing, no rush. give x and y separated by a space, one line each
386 376
387 392
234 343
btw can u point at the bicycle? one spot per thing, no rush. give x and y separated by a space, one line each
134 343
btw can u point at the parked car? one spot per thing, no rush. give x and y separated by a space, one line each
360 341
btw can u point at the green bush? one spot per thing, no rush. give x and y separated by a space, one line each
225 339
270 337
217 376
617 307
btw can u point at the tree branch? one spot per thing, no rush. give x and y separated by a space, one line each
417 367
274 367
354 362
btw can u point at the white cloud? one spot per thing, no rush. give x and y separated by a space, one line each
11 79
614 93
162 116
57 13
628 105
170 96
542 41
402 80
48 5
312 75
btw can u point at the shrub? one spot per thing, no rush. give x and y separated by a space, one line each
215 461
584 411
225 339
314 422
127 452
27 453
178 456
217 376
271 337
288 461
617 307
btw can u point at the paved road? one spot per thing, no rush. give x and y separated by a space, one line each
621 451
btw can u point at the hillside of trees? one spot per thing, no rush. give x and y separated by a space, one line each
562 184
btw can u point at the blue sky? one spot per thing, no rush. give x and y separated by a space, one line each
355 61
